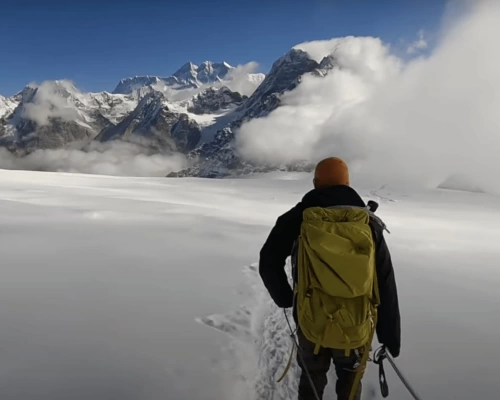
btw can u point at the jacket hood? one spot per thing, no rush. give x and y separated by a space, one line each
340 195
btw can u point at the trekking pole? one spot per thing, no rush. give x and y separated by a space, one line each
379 357
403 379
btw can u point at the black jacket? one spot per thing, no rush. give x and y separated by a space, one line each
278 248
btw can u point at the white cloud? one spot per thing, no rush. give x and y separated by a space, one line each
363 63
420 121
419 44
318 49
243 78
51 100
112 158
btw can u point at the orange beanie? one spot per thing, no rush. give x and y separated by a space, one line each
330 172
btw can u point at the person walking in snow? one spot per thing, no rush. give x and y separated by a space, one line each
331 189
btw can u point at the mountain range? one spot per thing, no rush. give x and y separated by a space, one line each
186 77
195 111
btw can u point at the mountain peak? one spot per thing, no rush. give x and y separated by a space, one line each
188 76
130 85
209 72
192 75
188 67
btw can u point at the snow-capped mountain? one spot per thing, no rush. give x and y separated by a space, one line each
218 157
46 117
195 111
131 85
189 76
212 101
55 114
206 73
155 125
169 112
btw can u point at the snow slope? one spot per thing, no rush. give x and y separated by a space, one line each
105 280
7 106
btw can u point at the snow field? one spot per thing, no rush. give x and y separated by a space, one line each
108 287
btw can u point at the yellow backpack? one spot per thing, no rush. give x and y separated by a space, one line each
336 290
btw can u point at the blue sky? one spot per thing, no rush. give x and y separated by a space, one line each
96 43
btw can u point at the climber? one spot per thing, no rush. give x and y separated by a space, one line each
331 188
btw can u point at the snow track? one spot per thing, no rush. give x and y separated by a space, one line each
260 343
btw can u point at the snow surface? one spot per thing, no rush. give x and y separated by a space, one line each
110 289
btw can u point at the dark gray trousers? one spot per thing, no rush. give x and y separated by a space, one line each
318 366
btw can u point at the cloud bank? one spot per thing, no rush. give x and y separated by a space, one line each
112 158
418 121
243 79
